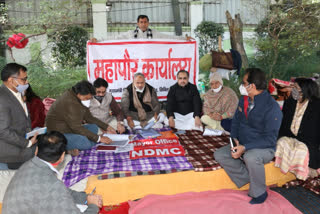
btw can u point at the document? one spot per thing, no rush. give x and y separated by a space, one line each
117 139
212 132
36 130
82 207
185 122
127 148
149 133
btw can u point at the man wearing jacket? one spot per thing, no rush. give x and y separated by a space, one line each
70 115
15 122
255 129
36 189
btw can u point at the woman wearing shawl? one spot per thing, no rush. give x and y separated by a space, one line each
220 104
299 137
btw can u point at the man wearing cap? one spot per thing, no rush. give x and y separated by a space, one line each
220 104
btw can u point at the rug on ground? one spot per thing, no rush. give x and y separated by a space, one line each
93 162
199 149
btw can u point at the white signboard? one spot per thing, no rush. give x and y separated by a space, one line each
159 60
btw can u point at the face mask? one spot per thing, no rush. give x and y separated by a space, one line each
99 98
86 103
22 88
295 94
216 90
243 90
139 90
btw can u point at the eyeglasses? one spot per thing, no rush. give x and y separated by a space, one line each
182 78
23 79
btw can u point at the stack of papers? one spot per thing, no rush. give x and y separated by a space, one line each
149 133
212 132
120 143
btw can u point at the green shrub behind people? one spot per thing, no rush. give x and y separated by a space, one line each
69 49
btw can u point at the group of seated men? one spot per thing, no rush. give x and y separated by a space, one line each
254 127
83 109
80 111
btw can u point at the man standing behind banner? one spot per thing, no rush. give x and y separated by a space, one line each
143 31
140 103
184 104
103 103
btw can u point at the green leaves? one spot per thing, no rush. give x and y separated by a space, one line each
69 49
288 40
208 33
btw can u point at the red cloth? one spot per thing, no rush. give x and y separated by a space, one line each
17 40
245 105
36 110
47 104
220 202
123 208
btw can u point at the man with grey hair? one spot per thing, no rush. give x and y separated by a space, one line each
140 103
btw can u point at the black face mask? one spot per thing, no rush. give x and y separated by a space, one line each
99 98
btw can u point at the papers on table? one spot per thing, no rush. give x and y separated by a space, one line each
36 130
212 132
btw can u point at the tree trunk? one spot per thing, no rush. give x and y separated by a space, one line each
236 38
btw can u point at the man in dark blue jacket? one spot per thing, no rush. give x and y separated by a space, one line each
255 129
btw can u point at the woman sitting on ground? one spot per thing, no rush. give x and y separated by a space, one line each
299 135
220 104
35 107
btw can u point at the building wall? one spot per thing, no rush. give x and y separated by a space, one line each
125 12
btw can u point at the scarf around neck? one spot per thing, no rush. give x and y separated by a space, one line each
137 104
149 33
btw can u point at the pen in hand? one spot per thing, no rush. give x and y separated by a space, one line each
94 189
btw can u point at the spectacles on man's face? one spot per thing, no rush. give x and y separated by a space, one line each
182 78
23 79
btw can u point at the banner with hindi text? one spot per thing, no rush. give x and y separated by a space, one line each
159 60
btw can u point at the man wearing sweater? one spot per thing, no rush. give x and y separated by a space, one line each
255 129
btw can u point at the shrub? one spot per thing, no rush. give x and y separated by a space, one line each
208 33
69 46
47 82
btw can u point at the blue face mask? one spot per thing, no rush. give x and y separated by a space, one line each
22 88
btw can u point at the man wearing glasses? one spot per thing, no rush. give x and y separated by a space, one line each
255 127
15 122
184 104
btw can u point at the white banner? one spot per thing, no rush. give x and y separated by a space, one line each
159 60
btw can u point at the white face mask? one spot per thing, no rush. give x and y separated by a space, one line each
216 90
139 90
21 88
86 103
243 90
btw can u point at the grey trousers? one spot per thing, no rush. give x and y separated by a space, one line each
249 170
